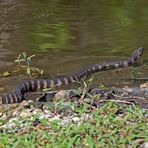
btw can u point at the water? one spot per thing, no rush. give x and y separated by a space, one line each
66 35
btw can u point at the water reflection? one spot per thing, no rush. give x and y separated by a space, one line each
50 36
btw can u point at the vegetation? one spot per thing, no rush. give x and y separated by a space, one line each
24 64
108 126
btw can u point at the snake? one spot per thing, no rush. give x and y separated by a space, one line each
18 95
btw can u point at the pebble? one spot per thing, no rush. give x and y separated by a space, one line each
75 119
65 122
144 85
36 111
12 120
57 117
145 144
62 94
85 117
1 114
25 114
15 113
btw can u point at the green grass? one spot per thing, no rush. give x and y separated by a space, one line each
110 126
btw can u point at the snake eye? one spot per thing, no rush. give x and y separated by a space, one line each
140 50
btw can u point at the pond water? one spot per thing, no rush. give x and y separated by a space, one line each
66 35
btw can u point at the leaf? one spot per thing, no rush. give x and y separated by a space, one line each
6 74
41 71
31 56
28 70
19 60
24 55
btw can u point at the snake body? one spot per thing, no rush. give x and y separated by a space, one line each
32 85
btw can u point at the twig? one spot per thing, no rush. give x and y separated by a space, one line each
118 101
128 97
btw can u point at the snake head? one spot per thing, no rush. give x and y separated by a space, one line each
137 53
140 51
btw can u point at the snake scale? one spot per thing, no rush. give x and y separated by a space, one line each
32 85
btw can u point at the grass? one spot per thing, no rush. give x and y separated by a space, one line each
109 126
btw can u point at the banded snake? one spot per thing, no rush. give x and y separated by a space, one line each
32 85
